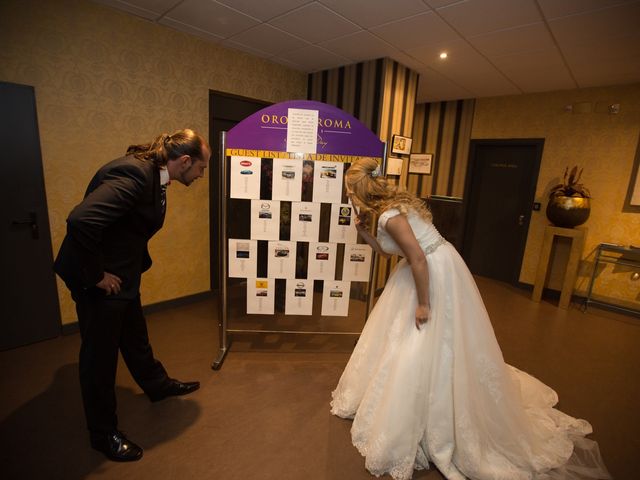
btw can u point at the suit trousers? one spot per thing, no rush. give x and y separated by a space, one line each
108 325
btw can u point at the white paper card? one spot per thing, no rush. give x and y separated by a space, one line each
305 221
287 180
343 225
243 258
321 263
357 262
260 295
335 299
245 177
394 166
327 181
299 297
302 130
282 260
265 219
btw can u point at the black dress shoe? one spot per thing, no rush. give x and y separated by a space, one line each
116 446
174 388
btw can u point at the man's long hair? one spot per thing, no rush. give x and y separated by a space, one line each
167 147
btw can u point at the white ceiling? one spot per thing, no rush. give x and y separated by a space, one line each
495 47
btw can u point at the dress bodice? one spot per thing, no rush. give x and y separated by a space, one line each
427 235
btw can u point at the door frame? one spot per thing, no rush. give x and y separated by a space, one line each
474 146
235 114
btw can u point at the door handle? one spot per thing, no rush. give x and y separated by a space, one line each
32 222
521 220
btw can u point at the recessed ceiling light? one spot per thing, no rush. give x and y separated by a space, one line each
443 55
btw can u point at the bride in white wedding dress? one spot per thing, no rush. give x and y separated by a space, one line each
427 381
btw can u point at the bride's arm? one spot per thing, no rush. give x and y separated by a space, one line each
370 239
400 230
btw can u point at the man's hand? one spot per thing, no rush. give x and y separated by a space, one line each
110 283
423 312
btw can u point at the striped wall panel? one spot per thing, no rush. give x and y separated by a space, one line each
444 129
356 89
380 93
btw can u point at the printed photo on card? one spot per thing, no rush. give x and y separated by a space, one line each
282 259
265 219
299 297
343 226
305 221
287 180
260 296
321 263
357 262
335 298
327 182
245 177
243 261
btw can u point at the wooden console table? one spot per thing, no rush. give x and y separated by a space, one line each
571 271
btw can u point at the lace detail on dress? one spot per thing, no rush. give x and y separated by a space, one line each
490 377
377 459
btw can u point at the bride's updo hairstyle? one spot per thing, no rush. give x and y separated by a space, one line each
372 192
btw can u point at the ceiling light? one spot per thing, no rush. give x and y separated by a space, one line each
443 55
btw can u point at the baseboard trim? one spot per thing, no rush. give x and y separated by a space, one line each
71 328
550 293
178 302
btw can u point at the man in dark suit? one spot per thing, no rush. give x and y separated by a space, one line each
102 259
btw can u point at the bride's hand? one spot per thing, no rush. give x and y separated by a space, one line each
362 222
423 312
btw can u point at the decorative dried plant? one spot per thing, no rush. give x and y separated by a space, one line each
570 186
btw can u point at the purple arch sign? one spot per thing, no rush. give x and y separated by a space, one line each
341 137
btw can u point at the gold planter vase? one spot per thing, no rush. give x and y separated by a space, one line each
568 212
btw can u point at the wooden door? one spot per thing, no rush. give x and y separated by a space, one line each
499 196
30 309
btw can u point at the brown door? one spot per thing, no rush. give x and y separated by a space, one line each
225 112
30 309
499 196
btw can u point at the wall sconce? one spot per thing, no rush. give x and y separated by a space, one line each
614 108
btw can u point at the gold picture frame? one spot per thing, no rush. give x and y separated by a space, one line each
401 145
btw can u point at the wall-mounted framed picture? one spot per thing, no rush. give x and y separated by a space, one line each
632 202
394 165
421 163
401 145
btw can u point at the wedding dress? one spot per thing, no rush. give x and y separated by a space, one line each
443 394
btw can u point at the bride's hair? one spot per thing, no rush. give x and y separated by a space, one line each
372 192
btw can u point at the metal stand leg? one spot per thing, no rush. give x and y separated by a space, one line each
222 354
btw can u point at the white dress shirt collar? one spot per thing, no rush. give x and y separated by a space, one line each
164 176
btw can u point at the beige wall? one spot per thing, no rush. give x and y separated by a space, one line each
103 80
602 143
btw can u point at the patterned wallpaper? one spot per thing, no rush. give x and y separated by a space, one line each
104 80
602 143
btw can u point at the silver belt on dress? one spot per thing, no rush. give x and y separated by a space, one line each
432 248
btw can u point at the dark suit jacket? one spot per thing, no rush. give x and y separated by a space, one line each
110 228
